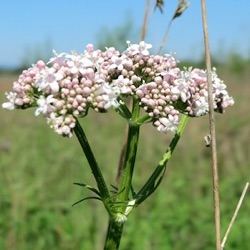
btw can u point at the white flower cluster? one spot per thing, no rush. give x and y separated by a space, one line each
69 84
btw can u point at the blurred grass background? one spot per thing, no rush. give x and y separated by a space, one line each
38 169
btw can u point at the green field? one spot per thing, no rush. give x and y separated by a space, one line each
38 169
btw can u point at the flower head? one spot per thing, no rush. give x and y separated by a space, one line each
69 84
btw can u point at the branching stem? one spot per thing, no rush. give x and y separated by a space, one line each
102 187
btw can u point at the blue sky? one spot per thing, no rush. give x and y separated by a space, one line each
67 25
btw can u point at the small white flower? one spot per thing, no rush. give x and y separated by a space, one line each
168 124
45 105
49 78
109 94
201 106
227 101
122 85
77 63
219 86
58 58
58 124
181 89
118 62
141 48
54 120
10 105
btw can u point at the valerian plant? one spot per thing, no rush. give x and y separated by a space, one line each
65 88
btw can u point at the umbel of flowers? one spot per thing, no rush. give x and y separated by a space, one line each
63 89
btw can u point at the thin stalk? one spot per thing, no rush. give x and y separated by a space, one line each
115 227
103 189
165 37
121 158
212 129
181 7
151 185
145 21
116 222
128 167
234 215
130 156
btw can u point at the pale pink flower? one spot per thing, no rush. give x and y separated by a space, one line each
58 59
118 62
141 48
49 79
181 88
110 94
166 124
10 105
45 105
201 106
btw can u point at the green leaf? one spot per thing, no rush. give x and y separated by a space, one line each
87 198
88 187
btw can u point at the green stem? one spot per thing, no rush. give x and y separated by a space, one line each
115 229
155 179
116 222
143 119
129 160
128 167
102 187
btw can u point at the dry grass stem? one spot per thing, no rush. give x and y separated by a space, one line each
165 37
212 128
181 7
234 215
145 21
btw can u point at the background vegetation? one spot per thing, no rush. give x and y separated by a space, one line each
38 169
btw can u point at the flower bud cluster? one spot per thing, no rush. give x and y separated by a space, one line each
69 84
